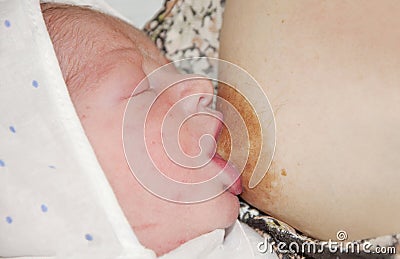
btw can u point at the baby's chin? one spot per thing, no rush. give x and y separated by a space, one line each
220 213
226 208
231 210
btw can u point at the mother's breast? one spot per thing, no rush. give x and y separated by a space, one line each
331 72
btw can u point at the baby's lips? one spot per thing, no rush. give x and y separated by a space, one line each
230 174
236 187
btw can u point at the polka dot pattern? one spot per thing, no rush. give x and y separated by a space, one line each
38 162
35 83
9 220
44 208
7 23
89 237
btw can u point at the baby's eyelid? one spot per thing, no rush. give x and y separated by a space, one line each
143 86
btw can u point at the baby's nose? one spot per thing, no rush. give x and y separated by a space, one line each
196 92
190 115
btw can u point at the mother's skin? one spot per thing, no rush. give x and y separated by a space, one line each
331 70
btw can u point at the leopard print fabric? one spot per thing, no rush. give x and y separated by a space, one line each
188 29
275 232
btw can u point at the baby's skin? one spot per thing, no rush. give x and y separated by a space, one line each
102 60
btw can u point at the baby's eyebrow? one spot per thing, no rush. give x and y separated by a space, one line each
112 59
107 58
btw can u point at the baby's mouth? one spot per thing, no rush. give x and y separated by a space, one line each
231 176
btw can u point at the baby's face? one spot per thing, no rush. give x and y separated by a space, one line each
100 103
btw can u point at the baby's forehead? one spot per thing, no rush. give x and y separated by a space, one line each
87 42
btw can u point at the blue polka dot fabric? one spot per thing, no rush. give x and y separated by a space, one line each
89 237
9 219
7 23
54 198
44 208
35 84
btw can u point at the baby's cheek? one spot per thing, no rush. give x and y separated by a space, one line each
221 211
181 172
177 150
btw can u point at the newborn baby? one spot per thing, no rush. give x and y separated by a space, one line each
102 60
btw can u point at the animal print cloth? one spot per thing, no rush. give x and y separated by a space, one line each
190 28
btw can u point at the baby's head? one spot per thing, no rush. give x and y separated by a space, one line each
102 60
